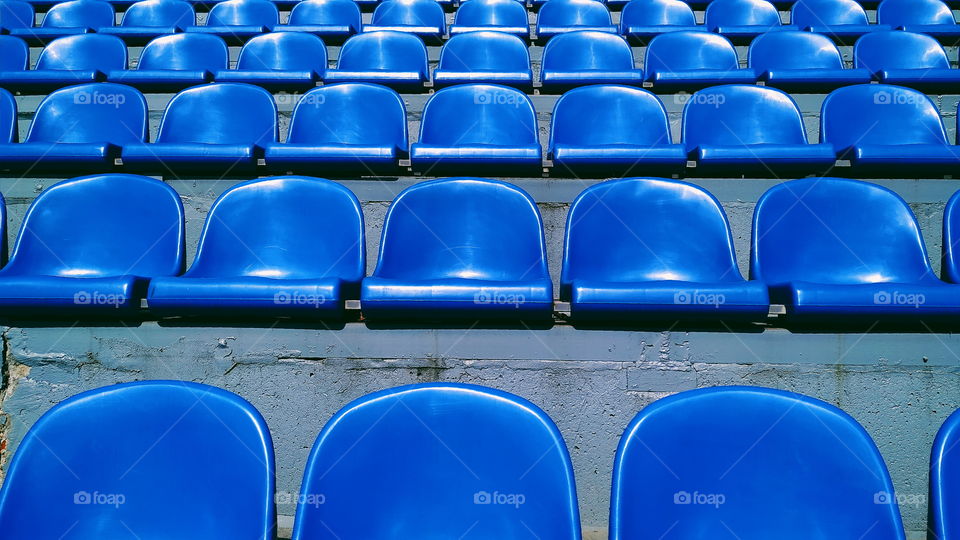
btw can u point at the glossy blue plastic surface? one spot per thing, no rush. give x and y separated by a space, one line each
692 60
423 18
172 63
394 59
16 14
887 130
332 20
66 19
842 20
641 20
604 130
279 61
478 129
835 249
907 59
509 16
741 20
587 57
79 129
85 249
649 248
931 17
151 459
560 16
460 248
798 61
147 19
944 521
236 21
736 130
9 132
69 60
473 458
484 57
301 256
202 132
758 462
950 260
14 54
343 129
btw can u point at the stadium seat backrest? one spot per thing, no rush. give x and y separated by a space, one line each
762 462
657 13
291 51
950 261
807 13
84 52
586 50
652 230
14 54
160 13
320 12
736 115
880 114
479 114
350 113
383 51
462 228
244 12
899 50
91 113
159 459
16 14
409 13
741 13
835 231
574 13
478 51
945 480
79 13
492 13
617 115
209 114
307 228
681 51
187 51
101 225
439 459
793 50
8 118
903 12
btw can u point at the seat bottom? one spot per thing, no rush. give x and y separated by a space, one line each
189 158
59 297
246 297
668 300
476 159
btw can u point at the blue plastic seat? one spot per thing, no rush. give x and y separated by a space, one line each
148 19
944 481
842 20
642 20
127 457
332 20
236 21
742 20
79 129
9 131
172 63
642 249
740 130
478 129
279 61
15 14
887 132
67 19
693 60
484 461
14 54
203 133
394 59
705 462
422 18
343 129
836 251
69 60
88 246
907 59
587 57
603 130
561 16
508 16
797 61
290 261
460 249
484 57
931 17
